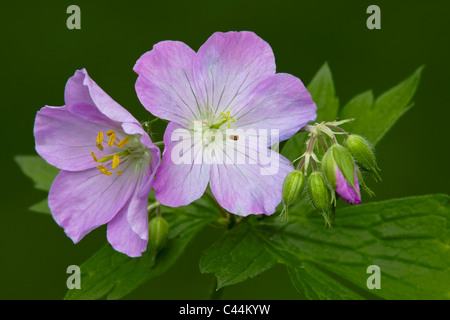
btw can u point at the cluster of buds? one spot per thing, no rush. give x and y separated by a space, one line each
337 174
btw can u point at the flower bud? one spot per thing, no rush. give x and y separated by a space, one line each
347 192
362 151
340 172
320 195
158 233
338 158
292 187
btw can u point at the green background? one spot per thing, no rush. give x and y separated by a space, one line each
38 55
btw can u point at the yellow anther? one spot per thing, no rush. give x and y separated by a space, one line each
115 161
93 156
123 142
99 137
119 172
103 170
99 140
110 132
112 138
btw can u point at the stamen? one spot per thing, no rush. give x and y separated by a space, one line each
99 140
103 170
110 132
115 162
119 172
112 138
123 142
99 137
120 154
225 118
93 156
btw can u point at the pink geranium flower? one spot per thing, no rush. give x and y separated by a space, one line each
230 83
107 164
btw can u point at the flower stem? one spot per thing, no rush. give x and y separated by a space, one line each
153 206
159 143
323 142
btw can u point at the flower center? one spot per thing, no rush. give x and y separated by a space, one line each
225 118
116 157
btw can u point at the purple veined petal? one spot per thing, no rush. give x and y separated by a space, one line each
120 232
165 84
253 187
65 139
82 85
179 184
228 66
280 102
137 216
345 190
84 200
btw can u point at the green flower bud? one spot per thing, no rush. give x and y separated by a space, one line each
320 195
362 151
292 189
338 158
158 233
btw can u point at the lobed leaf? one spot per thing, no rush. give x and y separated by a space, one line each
373 119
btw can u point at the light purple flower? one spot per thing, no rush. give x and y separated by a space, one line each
345 190
229 83
107 164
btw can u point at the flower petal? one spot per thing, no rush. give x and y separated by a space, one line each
120 232
345 190
165 85
253 187
82 201
82 88
182 183
279 102
137 208
228 66
65 139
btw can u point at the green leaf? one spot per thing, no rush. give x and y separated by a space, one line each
315 283
323 94
41 207
237 256
38 170
407 238
374 119
110 274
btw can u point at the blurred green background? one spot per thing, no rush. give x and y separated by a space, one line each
38 55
